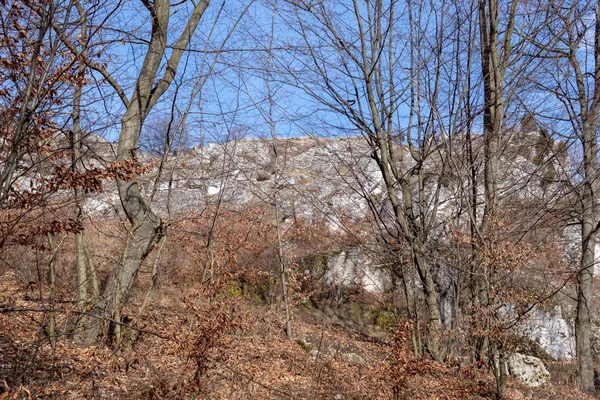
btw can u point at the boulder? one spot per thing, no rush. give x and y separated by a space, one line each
528 369
328 349
354 268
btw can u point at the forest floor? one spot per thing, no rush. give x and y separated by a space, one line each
231 348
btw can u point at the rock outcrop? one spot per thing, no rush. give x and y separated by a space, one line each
352 267
528 369
547 329
551 332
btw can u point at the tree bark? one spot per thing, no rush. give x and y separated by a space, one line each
430 290
77 167
585 275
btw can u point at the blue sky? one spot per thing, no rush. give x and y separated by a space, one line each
234 92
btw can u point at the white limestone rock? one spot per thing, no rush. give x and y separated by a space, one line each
528 369
552 332
352 267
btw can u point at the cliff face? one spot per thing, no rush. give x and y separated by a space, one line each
313 179
330 178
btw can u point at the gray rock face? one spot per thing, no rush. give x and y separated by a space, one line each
353 267
528 369
316 179
551 332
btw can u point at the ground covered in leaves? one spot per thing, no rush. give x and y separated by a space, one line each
230 348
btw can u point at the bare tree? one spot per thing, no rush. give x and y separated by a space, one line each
36 76
495 57
279 152
353 55
32 95
573 78
146 227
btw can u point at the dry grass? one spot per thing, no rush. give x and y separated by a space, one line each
251 359
231 348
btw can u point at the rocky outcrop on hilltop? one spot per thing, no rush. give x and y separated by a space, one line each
318 178
331 179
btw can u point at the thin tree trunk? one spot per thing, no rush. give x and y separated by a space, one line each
590 107
52 280
282 275
498 366
412 315
276 185
77 167
585 275
93 276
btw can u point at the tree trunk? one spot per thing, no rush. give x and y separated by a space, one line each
77 167
434 325
498 364
584 308
146 230
282 274
52 293
585 275
589 218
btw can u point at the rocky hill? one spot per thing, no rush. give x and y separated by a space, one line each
336 183
317 178
335 179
